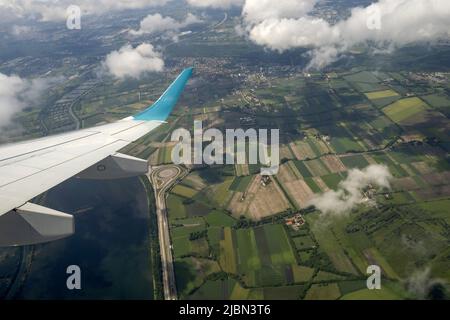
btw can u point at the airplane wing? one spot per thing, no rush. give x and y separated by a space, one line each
30 168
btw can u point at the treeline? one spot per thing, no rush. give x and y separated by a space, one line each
155 254
198 235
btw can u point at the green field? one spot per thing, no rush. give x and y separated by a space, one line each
363 76
386 293
182 245
394 168
184 191
241 183
342 140
192 272
440 102
215 290
219 218
259 255
304 242
323 259
357 161
283 293
438 209
221 192
314 187
304 171
175 207
332 180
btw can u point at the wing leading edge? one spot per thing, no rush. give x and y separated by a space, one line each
30 168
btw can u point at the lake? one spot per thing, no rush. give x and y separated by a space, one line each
110 245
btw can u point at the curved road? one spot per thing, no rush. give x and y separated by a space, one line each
162 179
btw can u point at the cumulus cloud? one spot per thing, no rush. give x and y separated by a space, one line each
277 34
51 10
222 4
17 93
350 191
422 286
19 30
285 24
255 11
129 62
157 23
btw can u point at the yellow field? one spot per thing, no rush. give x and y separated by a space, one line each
239 293
323 292
405 108
381 94
242 170
301 273
227 256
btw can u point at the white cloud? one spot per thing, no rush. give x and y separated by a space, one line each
17 93
157 23
19 30
350 191
222 4
277 34
129 62
51 10
420 283
277 25
255 11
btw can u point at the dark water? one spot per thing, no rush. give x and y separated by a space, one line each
111 244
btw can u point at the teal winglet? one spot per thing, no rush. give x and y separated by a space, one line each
162 108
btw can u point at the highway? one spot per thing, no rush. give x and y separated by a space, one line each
162 179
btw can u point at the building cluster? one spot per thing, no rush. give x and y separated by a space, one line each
60 116
437 77
265 181
369 192
295 222
206 66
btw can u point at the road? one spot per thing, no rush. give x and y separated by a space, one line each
76 119
162 178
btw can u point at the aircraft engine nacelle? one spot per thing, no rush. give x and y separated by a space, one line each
116 166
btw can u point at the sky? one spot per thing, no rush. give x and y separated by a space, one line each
280 25
276 25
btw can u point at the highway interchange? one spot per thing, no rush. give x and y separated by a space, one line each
162 179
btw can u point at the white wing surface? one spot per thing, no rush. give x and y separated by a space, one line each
30 168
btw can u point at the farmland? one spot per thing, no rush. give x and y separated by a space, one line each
404 109
230 224
233 233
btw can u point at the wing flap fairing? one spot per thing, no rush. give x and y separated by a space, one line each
32 224
117 166
30 168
